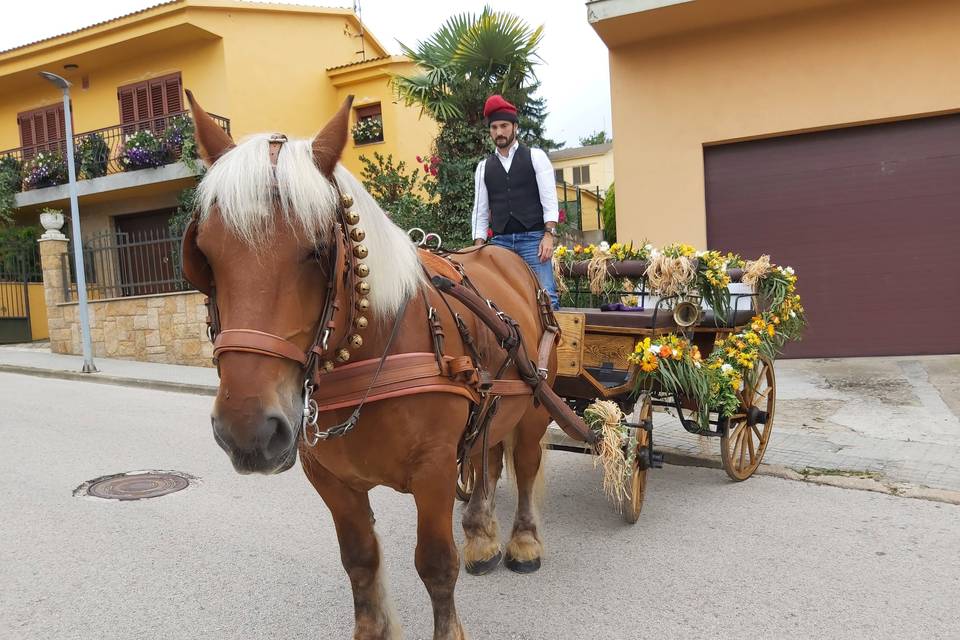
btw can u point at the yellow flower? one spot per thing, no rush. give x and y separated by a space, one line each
770 330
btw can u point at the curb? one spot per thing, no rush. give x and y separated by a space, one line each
881 485
117 381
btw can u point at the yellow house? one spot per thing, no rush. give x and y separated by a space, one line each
257 67
589 167
825 133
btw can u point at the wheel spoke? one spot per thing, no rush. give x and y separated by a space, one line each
753 453
743 449
757 431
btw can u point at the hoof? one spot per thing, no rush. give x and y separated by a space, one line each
484 566
523 566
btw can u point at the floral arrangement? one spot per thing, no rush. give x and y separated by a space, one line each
677 366
431 165
92 155
367 130
142 150
46 169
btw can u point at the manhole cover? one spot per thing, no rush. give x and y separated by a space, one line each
135 485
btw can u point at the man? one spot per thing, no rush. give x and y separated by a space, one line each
515 196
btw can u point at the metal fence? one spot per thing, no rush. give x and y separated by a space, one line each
105 151
119 264
19 266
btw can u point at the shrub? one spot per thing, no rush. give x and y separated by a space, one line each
92 155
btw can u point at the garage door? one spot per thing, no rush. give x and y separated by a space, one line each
868 216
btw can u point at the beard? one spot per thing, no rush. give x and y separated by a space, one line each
503 142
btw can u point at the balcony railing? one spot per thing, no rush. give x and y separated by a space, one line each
122 147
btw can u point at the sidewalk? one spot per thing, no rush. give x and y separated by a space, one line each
866 422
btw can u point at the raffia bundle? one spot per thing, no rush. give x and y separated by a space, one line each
562 288
607 418
754 270
671 276
597 271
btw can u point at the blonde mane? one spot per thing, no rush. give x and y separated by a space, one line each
246 190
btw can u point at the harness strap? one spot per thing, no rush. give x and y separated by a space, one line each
259 342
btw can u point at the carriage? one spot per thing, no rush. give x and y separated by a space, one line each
612 316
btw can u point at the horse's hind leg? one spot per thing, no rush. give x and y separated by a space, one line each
437 561
481 553
526 547
359 552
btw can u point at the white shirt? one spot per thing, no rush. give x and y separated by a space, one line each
546 184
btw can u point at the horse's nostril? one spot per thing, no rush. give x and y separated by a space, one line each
280 437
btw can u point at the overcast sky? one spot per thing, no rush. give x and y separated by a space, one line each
574 74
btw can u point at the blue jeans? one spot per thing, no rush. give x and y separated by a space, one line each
527 246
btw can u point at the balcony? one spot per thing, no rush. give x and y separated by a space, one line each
116 157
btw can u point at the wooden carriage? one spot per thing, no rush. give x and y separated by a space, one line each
593 363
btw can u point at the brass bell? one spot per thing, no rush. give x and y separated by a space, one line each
363 270
360 251
363 288
353 217
327 366
360 322
356 341
363 304
343 355
347 200
357 234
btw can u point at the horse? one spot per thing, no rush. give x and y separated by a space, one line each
274 220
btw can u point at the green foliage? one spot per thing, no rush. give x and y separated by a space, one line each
610 216
10 183
367 130
597 137
46 169
186 206
465 61
91 156
395 190
18 243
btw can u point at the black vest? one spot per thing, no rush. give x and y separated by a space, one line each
514 197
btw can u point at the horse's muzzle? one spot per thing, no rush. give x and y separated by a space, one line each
268 446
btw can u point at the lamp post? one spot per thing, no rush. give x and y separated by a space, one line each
64 85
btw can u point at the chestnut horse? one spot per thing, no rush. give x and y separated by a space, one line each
268 218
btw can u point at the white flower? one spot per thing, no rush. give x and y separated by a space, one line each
726 368
654 252
788 271
700 254
604 246
793 314
696 363
654 349
649 247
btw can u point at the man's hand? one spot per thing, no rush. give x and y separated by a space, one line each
546 247
478 241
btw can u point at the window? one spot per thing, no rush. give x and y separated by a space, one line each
369 125
581 175
144 105
558 175
42 130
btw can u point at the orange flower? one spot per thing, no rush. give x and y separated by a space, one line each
665 351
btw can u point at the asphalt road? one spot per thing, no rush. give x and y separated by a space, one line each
255 557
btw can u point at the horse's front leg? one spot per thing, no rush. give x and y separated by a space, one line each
374 616
437 560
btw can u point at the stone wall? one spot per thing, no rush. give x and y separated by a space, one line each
169 328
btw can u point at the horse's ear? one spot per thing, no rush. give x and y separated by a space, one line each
329 143
212 141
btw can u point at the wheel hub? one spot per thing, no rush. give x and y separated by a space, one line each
756 416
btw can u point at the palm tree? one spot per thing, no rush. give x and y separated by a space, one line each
470 57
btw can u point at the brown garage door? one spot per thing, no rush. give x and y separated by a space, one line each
870 218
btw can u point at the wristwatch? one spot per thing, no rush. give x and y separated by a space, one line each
553 231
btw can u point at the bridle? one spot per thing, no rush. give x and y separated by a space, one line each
344 305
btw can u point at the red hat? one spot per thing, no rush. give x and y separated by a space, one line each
497 108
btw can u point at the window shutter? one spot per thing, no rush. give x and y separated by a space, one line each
127 112
558 175
585 174
576 175
141 103
172 89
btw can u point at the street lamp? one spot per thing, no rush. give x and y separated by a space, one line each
63 84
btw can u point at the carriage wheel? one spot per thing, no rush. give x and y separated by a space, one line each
747 433
465 480
638 479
